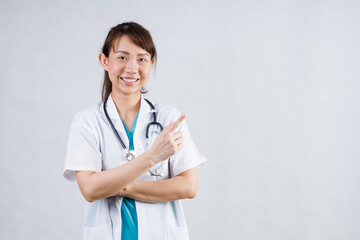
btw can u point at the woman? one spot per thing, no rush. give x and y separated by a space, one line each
132 185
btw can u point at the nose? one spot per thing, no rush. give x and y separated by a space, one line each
131 66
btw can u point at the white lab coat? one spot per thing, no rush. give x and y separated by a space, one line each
93 146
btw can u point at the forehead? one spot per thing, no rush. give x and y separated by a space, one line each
124 43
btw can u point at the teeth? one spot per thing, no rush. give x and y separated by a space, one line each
129 80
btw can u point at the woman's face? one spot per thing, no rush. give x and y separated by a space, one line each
128 66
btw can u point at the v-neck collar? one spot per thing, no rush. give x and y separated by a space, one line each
130 134
133 125
115 117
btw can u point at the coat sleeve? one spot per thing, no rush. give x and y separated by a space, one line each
189 156
83 150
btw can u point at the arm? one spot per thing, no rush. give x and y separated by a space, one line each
182 186
98 185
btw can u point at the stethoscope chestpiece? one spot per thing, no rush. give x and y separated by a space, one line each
130 155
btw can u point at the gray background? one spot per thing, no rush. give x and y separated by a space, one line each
271 93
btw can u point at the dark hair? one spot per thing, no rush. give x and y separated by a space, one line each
138 34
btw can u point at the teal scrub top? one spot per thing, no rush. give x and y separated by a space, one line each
129 222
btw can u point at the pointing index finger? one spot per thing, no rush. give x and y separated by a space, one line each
177 123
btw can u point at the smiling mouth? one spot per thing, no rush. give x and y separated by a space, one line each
129 80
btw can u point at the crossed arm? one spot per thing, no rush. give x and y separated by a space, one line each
182 186
122 179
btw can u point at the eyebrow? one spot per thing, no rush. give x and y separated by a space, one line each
141 54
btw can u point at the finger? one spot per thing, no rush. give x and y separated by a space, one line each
178 141
178 122
168 127
180 146
177 135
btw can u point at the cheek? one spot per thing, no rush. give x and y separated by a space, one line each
145 72
114 68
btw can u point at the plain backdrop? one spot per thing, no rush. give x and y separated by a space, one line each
270 89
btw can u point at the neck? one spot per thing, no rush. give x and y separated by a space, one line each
126 104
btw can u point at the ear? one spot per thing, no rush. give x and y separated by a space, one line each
103 61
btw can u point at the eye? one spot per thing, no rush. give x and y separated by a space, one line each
142 59
122 58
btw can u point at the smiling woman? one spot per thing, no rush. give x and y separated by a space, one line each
131 32
128 67
133 188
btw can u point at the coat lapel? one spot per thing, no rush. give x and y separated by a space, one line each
116 121
144 118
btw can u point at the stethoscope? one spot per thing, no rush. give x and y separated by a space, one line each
130 155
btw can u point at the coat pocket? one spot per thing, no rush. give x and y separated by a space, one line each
177 233
99 232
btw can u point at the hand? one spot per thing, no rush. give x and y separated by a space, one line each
168 142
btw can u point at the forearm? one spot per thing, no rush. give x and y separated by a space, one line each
98 185
107 183
179 187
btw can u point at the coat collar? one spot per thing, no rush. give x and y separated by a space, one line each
113 113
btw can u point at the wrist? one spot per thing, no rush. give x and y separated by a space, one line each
151 157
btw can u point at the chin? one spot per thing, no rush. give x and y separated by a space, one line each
129 92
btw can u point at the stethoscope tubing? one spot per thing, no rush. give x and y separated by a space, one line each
112 126
154 122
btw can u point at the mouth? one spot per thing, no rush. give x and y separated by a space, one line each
129 80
